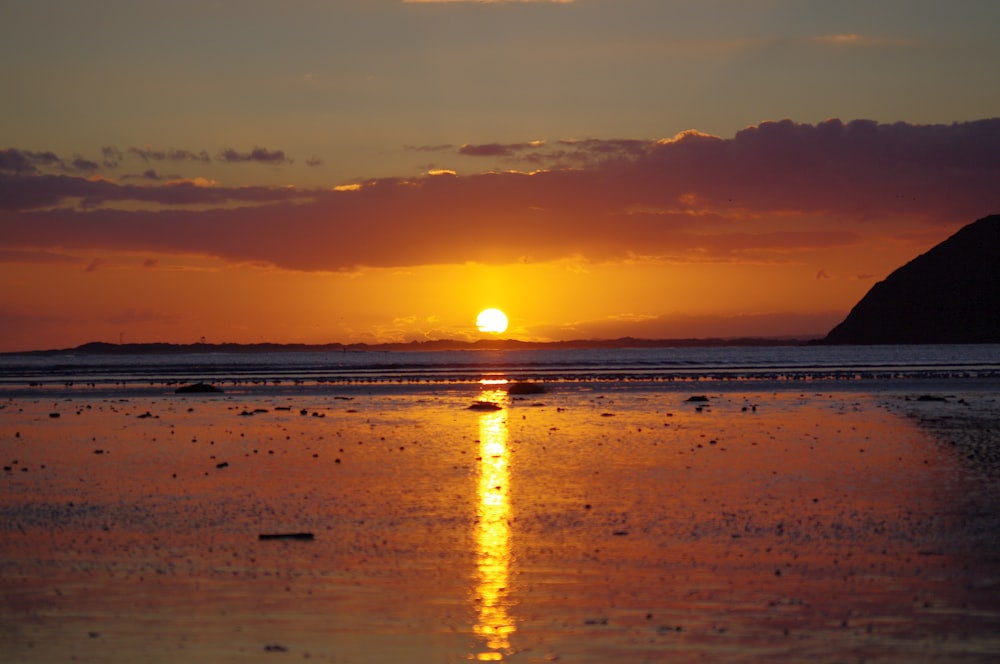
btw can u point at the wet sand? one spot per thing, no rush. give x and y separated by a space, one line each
574 526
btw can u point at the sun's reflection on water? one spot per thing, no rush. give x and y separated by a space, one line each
494 624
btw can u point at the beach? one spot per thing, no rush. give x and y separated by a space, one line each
578 525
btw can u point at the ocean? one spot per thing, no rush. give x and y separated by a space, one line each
360 507
721 368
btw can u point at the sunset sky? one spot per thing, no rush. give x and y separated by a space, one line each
382 170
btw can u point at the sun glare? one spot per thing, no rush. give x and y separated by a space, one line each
492 320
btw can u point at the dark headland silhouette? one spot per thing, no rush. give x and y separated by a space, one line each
949 295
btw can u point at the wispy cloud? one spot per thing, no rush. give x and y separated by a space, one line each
258 155
428 148
13 160
149 154
853 39
498 149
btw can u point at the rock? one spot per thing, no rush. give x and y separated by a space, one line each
197 388
699 398
951 294
485 405
525 388
303 537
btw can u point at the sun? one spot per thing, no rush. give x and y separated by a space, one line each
492 320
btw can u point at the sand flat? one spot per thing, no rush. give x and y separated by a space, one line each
578 526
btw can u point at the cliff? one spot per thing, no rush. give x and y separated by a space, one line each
951 294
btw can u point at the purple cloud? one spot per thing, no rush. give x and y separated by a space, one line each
149 175
86 165
768 190
13 160
258 155
148 154
428 148
28 192
497 149
111 156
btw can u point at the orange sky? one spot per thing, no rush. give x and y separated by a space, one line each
382 171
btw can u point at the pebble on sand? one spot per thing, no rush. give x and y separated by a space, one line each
485 405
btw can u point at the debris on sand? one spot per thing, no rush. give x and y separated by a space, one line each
197 388
302 537
698 398
485 405
522 387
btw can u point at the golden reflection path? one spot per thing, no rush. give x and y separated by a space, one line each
495 624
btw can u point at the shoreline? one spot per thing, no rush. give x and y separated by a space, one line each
913 385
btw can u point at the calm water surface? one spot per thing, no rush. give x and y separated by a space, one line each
812 507
312 370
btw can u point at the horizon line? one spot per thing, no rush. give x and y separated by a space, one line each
106 347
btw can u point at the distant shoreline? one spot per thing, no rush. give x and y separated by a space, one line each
103 348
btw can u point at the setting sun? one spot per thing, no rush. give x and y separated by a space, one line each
492 320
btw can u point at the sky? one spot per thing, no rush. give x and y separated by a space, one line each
305 171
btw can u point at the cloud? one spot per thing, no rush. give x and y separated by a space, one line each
148 154
853 39
85 165
313 162
428 148
258 155
565 153
497 149
769 191
149 175
31 192
26 161
111 156
202 183
17 161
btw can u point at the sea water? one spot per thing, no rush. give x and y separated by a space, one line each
728 367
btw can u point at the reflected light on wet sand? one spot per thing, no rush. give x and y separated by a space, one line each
493 545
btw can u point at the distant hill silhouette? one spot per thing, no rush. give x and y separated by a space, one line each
158 348
951 294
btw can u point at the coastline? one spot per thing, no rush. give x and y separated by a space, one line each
166 348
